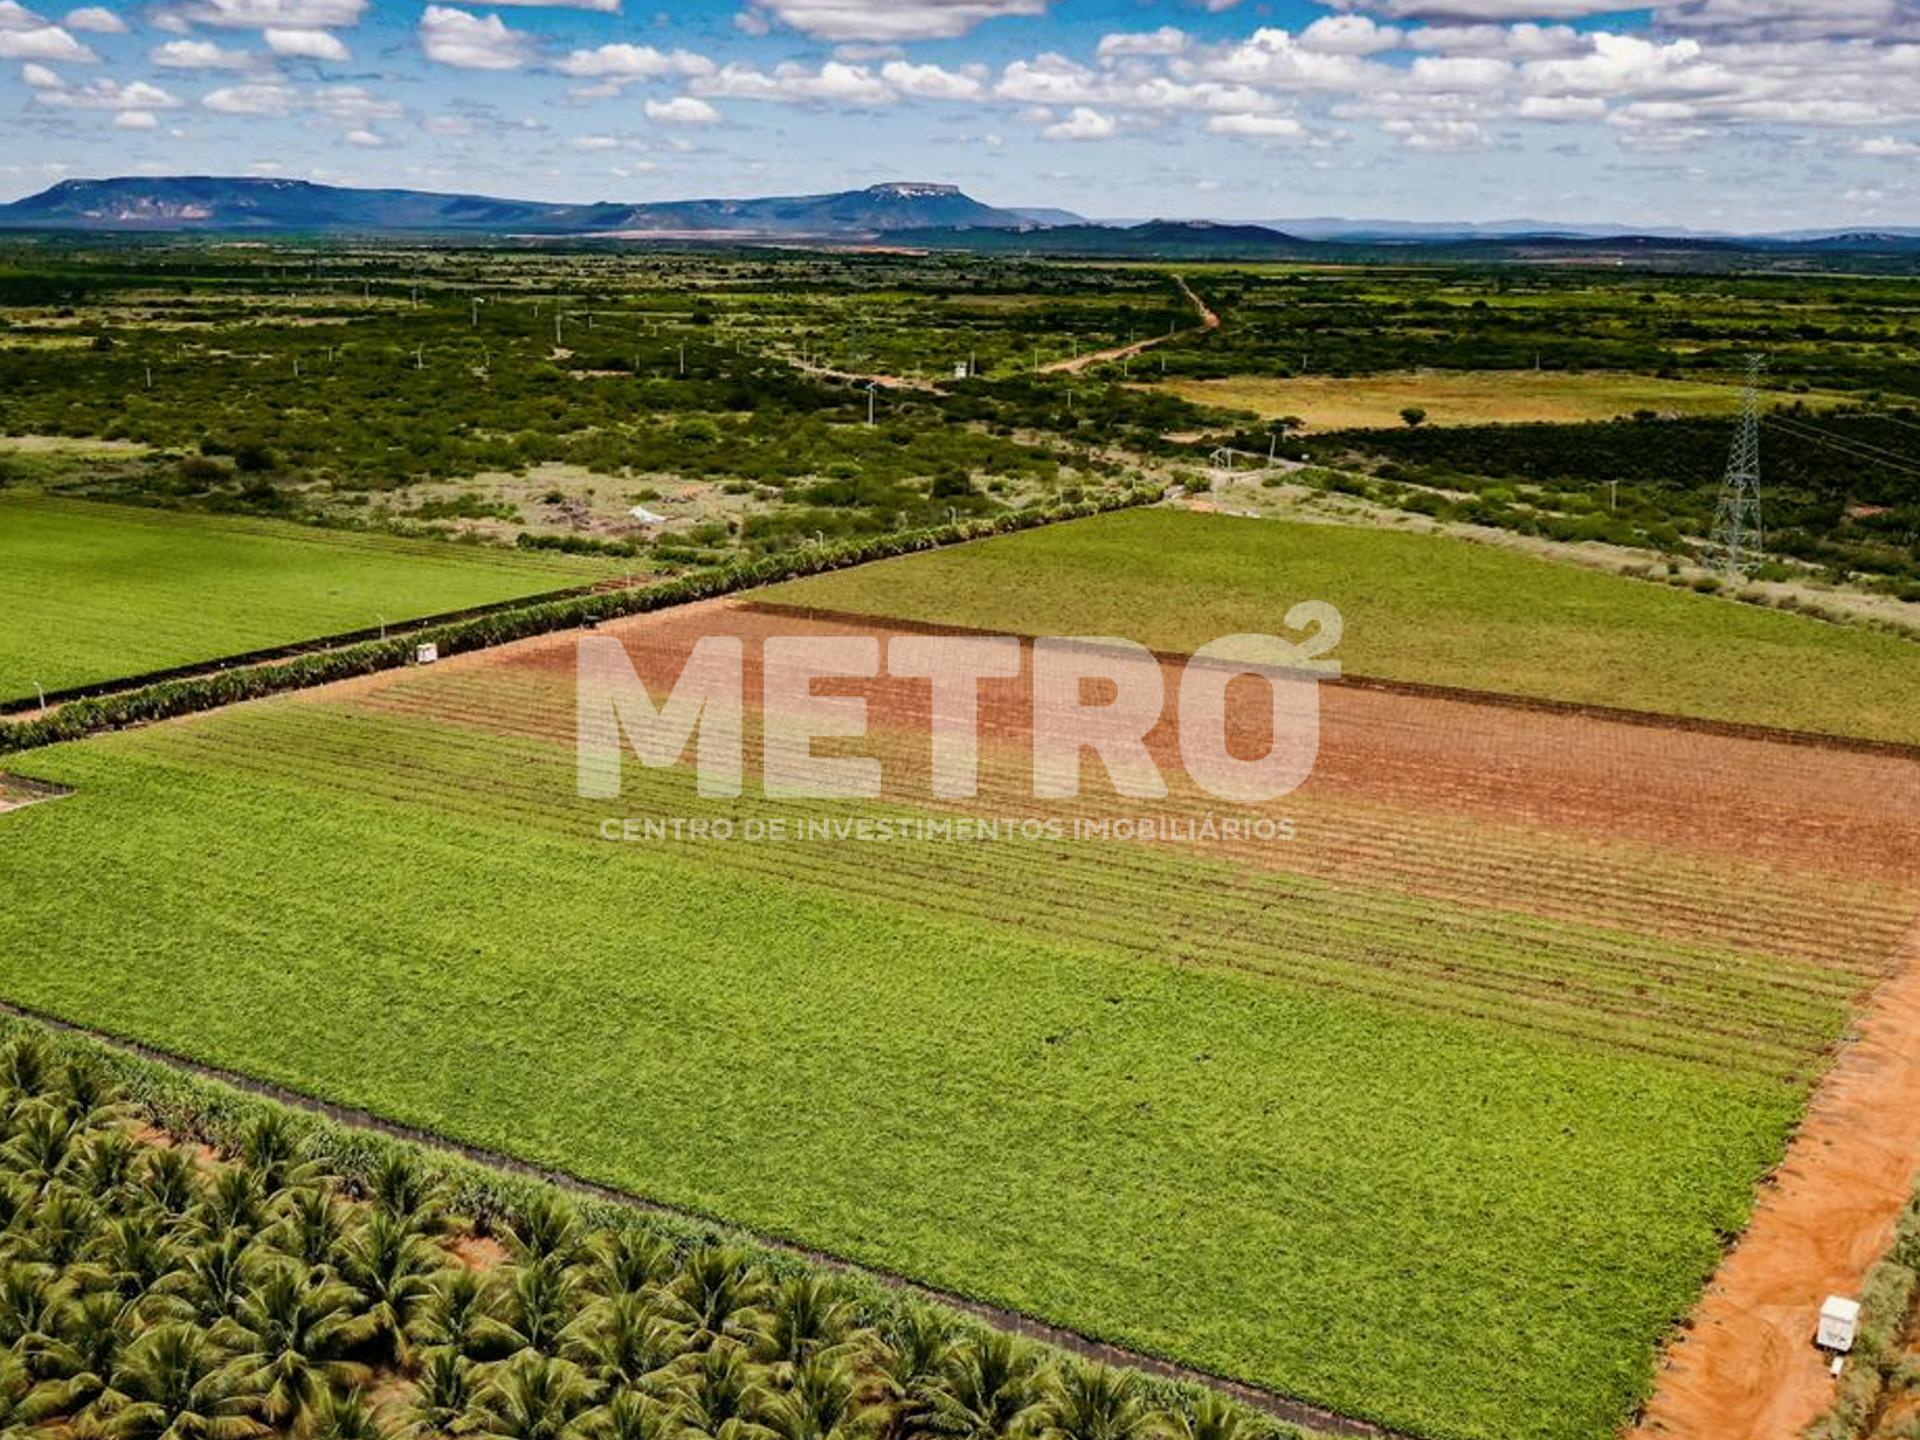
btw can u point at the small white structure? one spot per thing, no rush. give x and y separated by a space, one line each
425 654
1839 1323
640 515
960 371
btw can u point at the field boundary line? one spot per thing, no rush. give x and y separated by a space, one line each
319 644
1417 689
217 689
1316 1419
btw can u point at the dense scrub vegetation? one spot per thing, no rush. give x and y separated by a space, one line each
724 393
154 1289
1859 335
1842 491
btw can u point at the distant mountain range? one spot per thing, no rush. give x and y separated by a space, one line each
215 203
924 216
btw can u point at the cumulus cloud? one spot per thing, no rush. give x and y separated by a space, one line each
260 99
888 23
198 55
26 36
1167 40
277 14
307 45
835 83
465 41
682 110
1258 127
1082 124
96 19
932 82
1887 147
108 94
633 62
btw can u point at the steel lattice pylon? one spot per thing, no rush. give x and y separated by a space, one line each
1738 534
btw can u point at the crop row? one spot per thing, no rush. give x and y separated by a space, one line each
1824 918
1699 1000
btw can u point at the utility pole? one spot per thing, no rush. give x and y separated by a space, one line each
1738 534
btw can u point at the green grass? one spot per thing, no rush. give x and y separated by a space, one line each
94 592
1417 608
1458 1223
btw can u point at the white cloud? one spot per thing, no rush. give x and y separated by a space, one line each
262 99
96 19
932 82
833 83
136 120
26 36
682 110
604 7
276 14
886 21
366 139
1165 41
593 144
1560 108
198 55
1887 147
39 77
1350 35
1258 127
107 94
634 62
307 45
1082 124
465 41
1496 10
1436 135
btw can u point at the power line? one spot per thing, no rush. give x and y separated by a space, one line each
1793 422
1854 450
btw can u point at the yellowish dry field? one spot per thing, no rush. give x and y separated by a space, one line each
1468 397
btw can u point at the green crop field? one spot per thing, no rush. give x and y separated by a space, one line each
93 592
1446 1163
1417 608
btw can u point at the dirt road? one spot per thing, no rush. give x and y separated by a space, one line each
1747 1369
1208 321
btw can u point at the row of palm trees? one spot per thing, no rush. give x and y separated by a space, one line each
152 1291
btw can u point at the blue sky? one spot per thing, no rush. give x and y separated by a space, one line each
1714 114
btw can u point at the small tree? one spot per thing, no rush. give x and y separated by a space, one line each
1414 416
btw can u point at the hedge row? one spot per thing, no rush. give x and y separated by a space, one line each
190 1105
1880 1370
207 692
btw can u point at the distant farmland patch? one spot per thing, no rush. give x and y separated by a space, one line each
1418 608
1464 397
90 592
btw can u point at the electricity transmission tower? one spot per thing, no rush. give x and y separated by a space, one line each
1738 535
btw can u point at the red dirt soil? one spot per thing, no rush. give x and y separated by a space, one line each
1748 1369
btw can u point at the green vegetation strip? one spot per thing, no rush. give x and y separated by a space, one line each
1458 1227
90 593
181 697
1420 609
